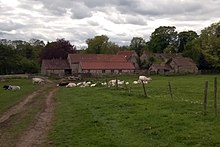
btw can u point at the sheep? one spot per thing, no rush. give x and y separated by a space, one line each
6 87
37 80
144 78
70 85
93 85
14 87
63 84
104 83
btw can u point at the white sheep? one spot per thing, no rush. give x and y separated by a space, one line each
37 80
14 87
93 85
70 85
144 78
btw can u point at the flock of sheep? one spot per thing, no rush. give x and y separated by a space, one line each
111 83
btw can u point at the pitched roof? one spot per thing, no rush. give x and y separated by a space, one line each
107 65
183 61
160 66
55 64
76 58
167 56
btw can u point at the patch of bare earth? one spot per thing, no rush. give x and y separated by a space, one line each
37 134
27 123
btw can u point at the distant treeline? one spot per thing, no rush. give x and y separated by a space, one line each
25 57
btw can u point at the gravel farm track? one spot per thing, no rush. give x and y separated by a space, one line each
41 103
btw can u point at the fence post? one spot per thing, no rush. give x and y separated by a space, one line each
145 94
215 96
205 97
170 90
116 83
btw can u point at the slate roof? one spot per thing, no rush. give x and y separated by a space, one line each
183 61
76 58
55 64
107 65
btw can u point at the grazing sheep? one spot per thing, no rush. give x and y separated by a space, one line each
144 78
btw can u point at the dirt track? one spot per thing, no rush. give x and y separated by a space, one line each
36 133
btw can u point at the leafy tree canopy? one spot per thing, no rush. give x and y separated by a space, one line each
161 38
58 49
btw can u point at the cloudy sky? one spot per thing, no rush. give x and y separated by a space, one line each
120 20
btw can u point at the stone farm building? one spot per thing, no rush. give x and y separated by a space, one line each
174 64
94 64
58 67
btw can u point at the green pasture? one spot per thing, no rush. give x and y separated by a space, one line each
101 116
9 98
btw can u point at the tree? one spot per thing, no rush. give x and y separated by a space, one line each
58 49
161 38
137 44
210 44
97 45
184 38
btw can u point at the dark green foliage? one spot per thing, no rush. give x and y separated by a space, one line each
184 38
138 44
58 49
20 57
161 38
101 45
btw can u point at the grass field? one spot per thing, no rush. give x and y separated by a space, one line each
100 116
9 98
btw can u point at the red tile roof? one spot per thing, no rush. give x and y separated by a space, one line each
127 54
107 65
76 58
55 64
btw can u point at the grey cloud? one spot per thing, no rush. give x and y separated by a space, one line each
10 25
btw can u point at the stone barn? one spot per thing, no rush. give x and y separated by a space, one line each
99 63
105 68
183 65
58 67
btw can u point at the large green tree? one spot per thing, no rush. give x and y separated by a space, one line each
210 44
184 38
164 37
137 44
58 49
97 45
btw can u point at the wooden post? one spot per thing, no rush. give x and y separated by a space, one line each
106 83
145 94
215 96
170 90
116 83
205 97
